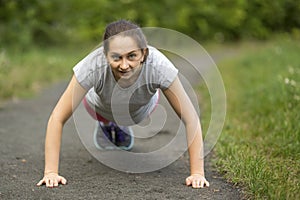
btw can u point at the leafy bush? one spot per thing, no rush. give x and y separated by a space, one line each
23 22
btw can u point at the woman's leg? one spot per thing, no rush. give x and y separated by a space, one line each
107 134
156 104
93 113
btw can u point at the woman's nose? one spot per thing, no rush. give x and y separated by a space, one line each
124 64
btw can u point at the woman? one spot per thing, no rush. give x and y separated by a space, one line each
119 84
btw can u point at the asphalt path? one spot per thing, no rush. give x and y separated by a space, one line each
22 134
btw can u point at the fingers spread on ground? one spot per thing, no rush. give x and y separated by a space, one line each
55 183
195 185
63 181
201 184
50 183
188 181
207 183
40 182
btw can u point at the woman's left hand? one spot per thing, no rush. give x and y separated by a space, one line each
196 181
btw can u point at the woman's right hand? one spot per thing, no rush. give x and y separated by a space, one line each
52 180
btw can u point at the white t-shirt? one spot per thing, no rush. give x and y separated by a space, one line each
126 106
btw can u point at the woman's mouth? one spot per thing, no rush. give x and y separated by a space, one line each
124 73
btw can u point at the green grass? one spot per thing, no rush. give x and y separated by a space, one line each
24 72
259 148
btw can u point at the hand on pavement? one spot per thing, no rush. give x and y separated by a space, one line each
52 180
196 181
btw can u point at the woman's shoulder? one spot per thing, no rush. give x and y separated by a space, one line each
162 70
97 55
91 69
153 51
155 56
93 63
94 60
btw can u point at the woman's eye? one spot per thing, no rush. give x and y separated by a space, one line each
132 56
115 57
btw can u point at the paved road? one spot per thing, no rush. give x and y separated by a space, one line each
22 133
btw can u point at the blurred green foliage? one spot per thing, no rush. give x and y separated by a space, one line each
24 22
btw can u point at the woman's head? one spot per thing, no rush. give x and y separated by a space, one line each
126 29
125 48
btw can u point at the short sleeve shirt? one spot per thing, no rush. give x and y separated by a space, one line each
129 105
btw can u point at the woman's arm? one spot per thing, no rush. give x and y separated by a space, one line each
61 113
184 108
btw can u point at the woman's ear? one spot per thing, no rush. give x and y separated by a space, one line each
145 52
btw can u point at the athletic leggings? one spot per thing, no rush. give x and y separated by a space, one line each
98 117
93 113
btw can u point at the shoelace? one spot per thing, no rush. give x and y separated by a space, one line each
114 133
111 130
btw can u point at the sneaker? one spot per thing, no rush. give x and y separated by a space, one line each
124 138
111 136
103 137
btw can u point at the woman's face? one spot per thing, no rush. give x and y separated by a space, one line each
124 57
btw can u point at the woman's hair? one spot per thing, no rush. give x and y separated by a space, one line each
124 28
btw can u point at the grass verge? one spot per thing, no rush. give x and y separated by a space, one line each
259 148
24 72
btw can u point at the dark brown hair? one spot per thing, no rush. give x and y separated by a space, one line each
124 28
